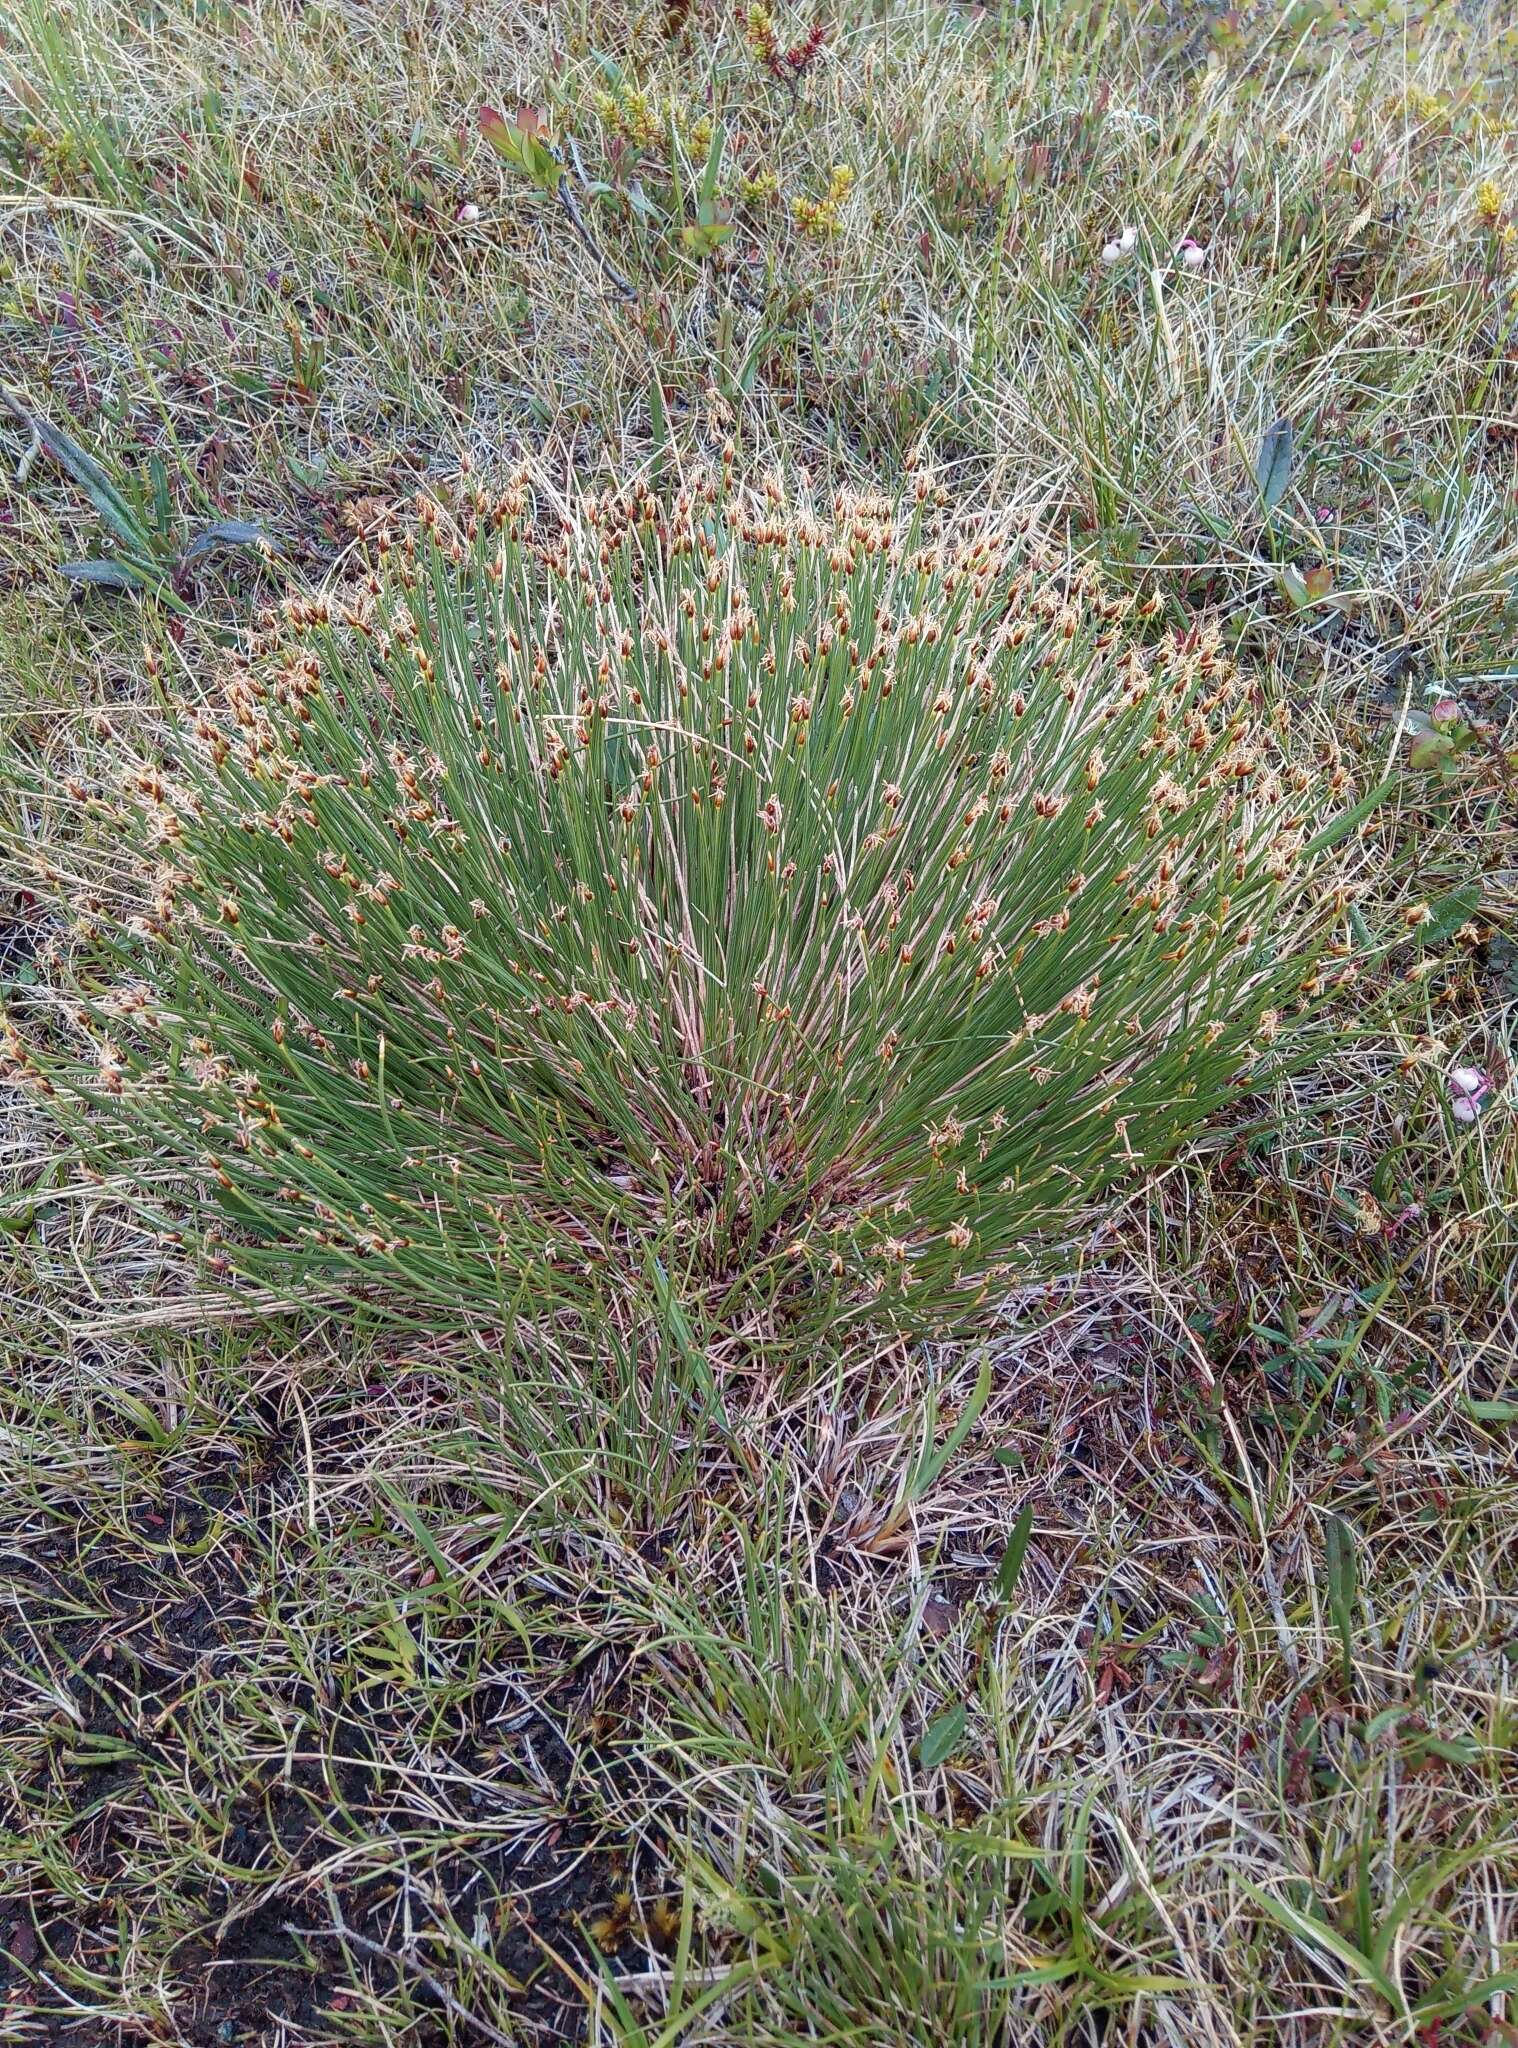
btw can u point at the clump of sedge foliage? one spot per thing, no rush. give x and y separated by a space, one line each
808 915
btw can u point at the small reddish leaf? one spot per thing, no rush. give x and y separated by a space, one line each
522 142
493 128
23 1942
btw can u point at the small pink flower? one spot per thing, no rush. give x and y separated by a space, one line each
1190 253
467 214
1111 253
1469 1088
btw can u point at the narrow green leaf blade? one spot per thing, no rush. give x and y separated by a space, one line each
1012 1558
1318 1934
1492 1411
225 533
942 1736
1448 913
105 575
1272 470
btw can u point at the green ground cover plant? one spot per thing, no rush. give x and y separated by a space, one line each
820 911
606 1620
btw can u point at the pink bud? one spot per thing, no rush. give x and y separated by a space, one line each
1468 1090
1191 253
467 214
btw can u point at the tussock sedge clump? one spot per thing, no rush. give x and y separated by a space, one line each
809 917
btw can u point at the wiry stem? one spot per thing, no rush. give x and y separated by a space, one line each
577 221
